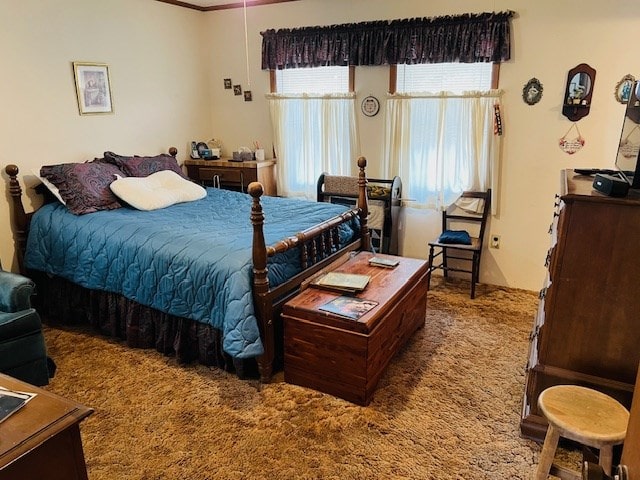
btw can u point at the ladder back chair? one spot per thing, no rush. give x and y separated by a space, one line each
458 244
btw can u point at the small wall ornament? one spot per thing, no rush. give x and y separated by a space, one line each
624 88
532 91
571 145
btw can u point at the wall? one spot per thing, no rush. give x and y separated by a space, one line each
159 87
168 63
549 38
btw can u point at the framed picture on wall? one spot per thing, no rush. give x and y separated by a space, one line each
93 88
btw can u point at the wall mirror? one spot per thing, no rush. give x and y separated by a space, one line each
627 159
578 92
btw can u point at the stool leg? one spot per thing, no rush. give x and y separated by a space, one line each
606 458
548 453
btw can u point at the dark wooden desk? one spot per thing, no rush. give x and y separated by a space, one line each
42 439
344 357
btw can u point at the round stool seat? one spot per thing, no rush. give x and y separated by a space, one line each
585 416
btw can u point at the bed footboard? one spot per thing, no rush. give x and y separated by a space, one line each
319 247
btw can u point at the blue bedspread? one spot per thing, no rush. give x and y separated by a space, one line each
191 260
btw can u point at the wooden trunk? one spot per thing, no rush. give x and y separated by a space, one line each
345 357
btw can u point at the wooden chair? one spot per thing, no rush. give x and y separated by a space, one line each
384 205
472 251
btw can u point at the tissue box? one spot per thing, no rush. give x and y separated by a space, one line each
242 156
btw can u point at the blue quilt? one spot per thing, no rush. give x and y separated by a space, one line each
191 260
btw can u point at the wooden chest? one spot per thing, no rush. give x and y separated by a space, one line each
345 357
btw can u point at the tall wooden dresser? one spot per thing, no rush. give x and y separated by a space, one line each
587 328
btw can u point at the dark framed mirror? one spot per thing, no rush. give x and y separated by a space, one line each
578 92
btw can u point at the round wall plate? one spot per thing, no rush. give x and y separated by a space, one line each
370 106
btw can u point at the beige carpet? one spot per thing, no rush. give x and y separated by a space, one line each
447 408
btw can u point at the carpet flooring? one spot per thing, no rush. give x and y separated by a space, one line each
448 406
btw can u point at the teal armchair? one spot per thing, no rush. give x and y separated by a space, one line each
23 353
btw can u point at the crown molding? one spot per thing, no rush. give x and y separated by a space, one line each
226 6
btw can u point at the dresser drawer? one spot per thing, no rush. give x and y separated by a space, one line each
225 175
233 175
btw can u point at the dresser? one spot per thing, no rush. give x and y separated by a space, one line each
224 173
587 327
42 439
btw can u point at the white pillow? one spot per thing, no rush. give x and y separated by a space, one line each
158 190
47 183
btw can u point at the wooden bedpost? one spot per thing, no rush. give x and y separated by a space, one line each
264 310
363 204
20 218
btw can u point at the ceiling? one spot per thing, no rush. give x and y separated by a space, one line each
207 5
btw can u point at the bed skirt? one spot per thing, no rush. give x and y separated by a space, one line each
61 302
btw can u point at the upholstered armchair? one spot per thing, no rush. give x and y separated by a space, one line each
23 354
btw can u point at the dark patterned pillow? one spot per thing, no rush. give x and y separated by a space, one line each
84 186
144 166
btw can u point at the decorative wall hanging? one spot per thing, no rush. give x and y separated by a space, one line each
370 106
237 89
93 88
532 91
497 119
227 84
577 95
571 146
247 96
624 88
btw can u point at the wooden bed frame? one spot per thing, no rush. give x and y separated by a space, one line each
318 249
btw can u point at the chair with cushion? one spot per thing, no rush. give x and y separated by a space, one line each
456 243
23 353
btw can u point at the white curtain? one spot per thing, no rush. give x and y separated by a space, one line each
312 135
442 144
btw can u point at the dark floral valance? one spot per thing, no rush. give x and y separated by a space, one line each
469 38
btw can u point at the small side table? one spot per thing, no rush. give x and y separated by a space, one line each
42 439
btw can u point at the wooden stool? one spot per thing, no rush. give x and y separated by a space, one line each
585 416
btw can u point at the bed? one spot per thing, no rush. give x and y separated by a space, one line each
204 279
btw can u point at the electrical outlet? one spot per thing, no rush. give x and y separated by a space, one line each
495 241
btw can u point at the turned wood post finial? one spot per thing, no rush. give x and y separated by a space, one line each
363 204
173 151
260 280
20 220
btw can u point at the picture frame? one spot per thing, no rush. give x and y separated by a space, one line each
227 84
532 91
624 88
93 88
237 90
247 96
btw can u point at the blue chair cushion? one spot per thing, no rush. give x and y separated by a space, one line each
459 237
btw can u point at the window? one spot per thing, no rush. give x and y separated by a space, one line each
313 120
439 130
319 80
441 77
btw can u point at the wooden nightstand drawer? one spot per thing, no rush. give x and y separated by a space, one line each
223 175
233 175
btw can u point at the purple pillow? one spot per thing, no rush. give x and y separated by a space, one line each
84 186
144 166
